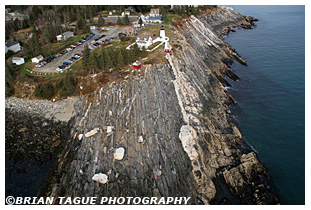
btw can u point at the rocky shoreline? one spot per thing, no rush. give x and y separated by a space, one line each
62 110
174 125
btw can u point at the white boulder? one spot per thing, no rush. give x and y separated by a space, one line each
101 178
92 132
80 136
119 153
140 139
109 129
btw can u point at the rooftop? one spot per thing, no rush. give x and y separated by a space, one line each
16 58
67 33
11 44
154 18
39 57
142 37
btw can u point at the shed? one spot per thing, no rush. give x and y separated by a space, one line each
37 59
18 60
64 36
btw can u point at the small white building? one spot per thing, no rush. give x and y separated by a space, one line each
92 27
110 13
14 46
64 36
37 59
18 60
144 41
125 13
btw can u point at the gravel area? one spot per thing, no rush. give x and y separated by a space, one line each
61 110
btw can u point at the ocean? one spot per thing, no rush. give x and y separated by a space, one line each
270 94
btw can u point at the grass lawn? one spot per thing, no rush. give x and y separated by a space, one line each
76 66
155 29
169 18
28 65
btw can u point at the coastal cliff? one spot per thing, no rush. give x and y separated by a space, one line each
173 121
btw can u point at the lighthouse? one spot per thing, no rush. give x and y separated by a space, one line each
162 33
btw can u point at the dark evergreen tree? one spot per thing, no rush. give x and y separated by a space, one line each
140 21
120 60
68 87
92 63
9 81
86 56
119 21
45 90
126 20
107 58
163 13
101 60
100 21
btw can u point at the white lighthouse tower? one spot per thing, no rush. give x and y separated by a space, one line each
162 34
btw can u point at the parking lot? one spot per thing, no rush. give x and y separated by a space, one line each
56 62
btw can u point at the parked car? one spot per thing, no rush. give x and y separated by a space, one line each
121 34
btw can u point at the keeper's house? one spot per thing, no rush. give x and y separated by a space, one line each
144 41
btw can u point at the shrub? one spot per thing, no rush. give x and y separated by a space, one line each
44 91
68 87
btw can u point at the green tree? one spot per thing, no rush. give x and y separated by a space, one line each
68 87
131 56
47 35
120 60
80 23
86 56
126 20
125 55
136 51
86 29
9 81
107 58
101 60
100 21
45 90
163 13
140 21
143 52
119 21
93 64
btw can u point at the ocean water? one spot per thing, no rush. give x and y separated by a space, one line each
270 94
